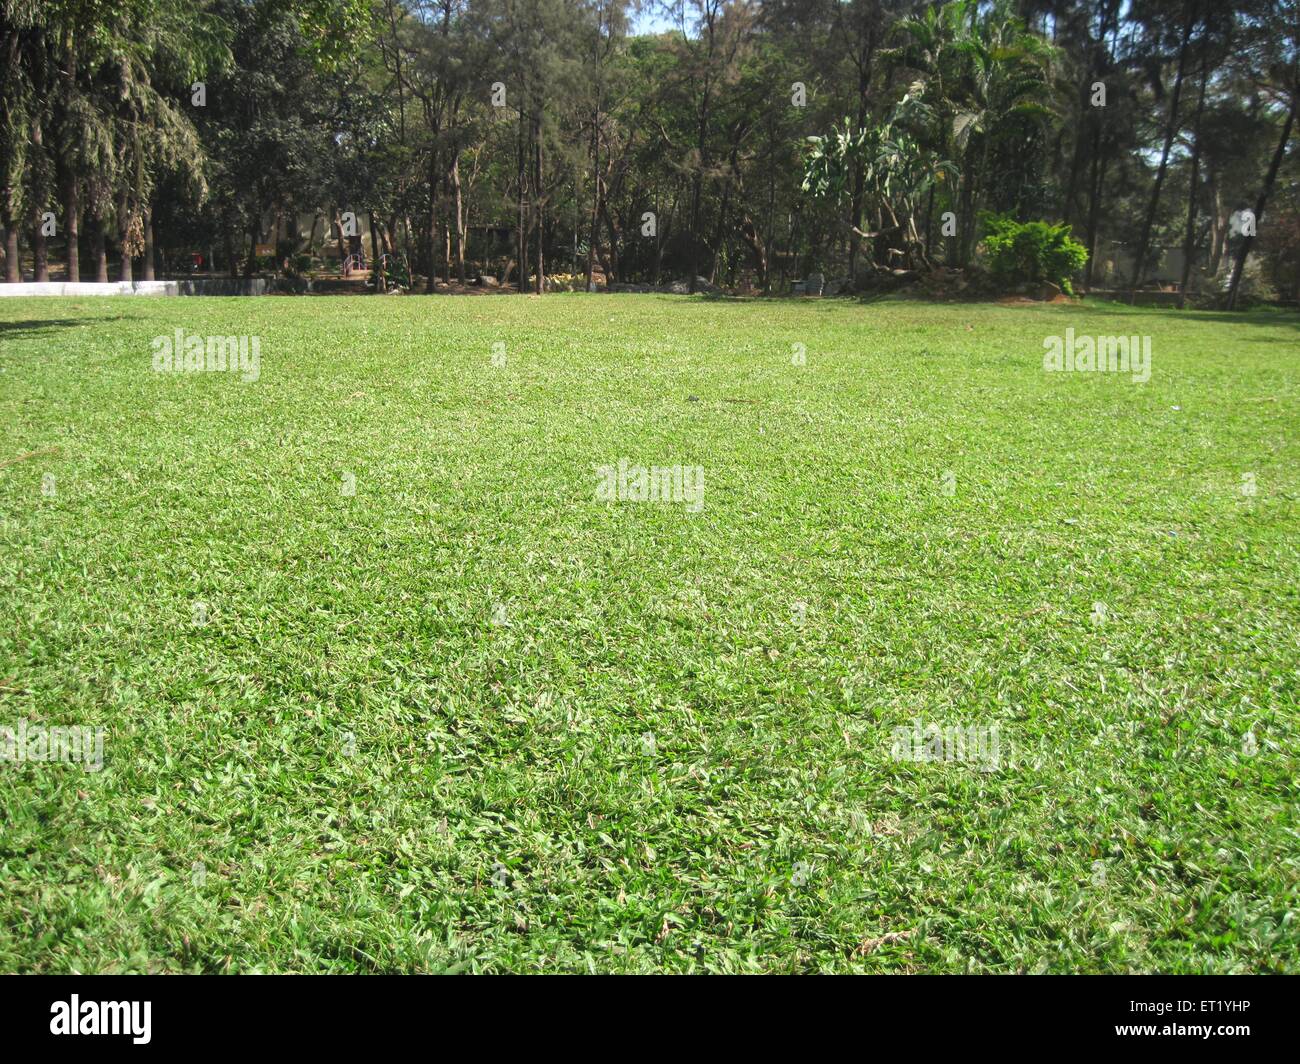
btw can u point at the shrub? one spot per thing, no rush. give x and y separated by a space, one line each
1032 252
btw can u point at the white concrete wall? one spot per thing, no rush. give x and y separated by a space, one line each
91 288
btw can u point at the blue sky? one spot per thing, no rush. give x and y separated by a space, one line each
653 21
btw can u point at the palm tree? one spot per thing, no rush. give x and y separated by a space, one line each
981 75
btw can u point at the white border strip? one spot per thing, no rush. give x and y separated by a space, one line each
92 288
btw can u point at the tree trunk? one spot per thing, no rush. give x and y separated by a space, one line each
446 249
100 250
431 277
1189 241
311 239
1171 128
929 220
40 249
751 236
693 235
538 207
12 276
72 227
148 244
595 196
661 238
251 264
1096 182
1072 186
40 252
458 216
611 262
124 269
1216 225
967 227
716 245
376 257
1264 193
72 187
859 180
521 239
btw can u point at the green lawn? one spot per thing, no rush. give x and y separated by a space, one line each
469 717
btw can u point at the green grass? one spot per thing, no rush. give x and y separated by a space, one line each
375 776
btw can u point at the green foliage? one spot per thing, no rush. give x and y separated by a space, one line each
895 167
944 110
1032 252
332 30
983 87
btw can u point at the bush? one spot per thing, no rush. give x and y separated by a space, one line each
566 282
1032 252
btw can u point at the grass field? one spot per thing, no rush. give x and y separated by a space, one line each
386 687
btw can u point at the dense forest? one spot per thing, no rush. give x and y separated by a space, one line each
733 143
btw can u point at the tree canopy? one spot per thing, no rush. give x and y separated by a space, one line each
744 143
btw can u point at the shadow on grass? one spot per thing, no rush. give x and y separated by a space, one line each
42 326
1275 316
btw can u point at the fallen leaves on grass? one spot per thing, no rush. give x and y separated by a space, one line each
870 945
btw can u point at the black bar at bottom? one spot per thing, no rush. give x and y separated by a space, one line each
1219 1014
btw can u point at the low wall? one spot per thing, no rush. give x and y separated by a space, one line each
198 286
91 288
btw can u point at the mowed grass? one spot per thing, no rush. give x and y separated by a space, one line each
469 718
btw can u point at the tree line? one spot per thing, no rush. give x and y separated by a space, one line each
744 143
